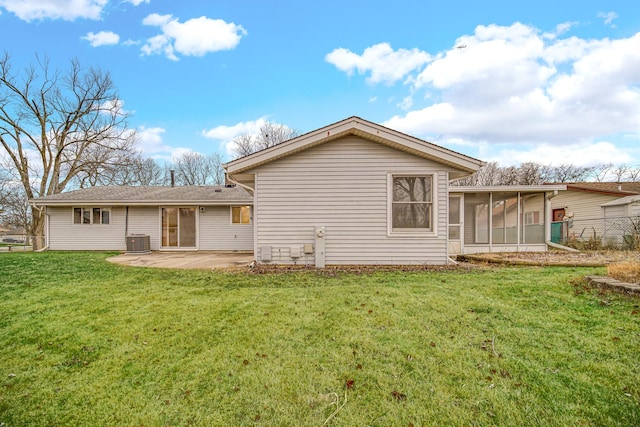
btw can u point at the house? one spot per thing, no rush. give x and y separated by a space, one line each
500 218
353 192
621 222
174 218
578 212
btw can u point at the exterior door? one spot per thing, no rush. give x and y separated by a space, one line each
455 224
557 225
179 228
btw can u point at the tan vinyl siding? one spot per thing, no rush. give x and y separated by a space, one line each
587 212
343 185
584 205
218 234
65 235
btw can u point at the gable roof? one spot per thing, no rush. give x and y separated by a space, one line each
364 129
624 201
149 195
614 188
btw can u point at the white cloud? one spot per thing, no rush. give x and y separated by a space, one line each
55 9
384 64
195 37
151 143
583 154
226 134
138 2
608 18
564 27
103 38
514 85
406 103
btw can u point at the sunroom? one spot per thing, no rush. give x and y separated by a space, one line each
500 218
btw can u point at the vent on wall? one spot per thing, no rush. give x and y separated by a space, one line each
265 253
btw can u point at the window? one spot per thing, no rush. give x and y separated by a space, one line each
412 203
531 217
91 215
240 214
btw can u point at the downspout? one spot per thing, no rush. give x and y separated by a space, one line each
246 187
448 259
547 227
46 219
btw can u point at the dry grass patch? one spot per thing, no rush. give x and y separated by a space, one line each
627 271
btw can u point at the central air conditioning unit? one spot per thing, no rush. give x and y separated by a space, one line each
138 243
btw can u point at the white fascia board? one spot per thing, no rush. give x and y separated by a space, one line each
362 128
506 188
141 203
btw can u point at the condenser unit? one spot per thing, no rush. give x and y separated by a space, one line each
138 243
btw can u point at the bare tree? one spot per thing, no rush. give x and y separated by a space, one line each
131 170
197 169
531 173
54 126
243 145
268 135
15 209
569 173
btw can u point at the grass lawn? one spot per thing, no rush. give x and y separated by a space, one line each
87 343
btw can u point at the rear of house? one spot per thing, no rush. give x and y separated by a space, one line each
171 218
500 218
351 193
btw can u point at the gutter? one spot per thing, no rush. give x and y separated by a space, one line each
246 187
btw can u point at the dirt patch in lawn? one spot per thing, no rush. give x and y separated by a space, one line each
559 258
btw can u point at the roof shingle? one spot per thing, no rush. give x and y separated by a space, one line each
149 195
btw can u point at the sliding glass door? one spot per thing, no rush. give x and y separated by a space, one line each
178 227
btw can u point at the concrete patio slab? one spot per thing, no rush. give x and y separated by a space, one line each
185 260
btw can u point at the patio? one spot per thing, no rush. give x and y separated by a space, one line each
185 260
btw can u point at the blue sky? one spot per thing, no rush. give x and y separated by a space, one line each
546 81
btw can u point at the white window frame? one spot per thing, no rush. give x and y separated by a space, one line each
90 209
240 223
407 232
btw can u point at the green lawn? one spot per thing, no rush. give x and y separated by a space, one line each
87 343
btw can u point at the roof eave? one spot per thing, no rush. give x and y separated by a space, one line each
362 128
506 188
140 203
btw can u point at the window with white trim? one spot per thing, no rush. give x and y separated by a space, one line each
412 203
240 215
91 216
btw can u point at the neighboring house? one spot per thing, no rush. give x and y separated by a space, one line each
353 192
13 235
174 218
621 222
577 213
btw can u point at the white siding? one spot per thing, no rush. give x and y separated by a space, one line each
146 220
215 230
218 234
343 185
65 235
